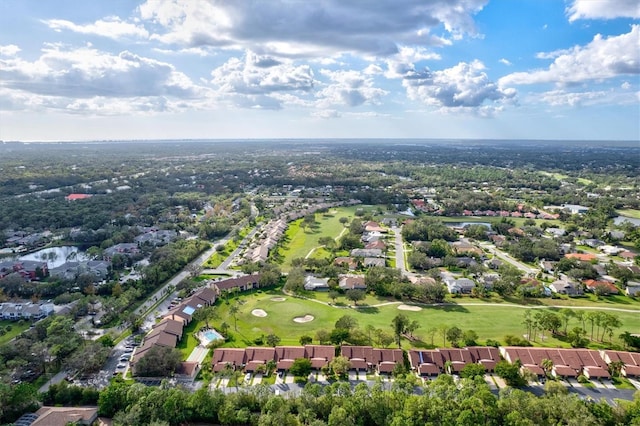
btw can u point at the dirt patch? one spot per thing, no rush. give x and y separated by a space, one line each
278 299
258 313
306 318
409 308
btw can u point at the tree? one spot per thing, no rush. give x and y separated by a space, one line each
469 371
355 295
301 367
343 220
159 361
233 310
546 365
340 365
470 338
566 314
323 336
346 322
333 295
510 373
454 334
399 325
412 326
338 335
272 340
305 340
295 281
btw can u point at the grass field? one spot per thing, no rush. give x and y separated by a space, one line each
17 327
300 242
489 321
629 213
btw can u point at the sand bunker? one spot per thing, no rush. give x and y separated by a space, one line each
306 318
409 308
278 299
258 313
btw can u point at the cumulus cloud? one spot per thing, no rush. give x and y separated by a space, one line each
602 58
111 27
301 28
255 80
87 72
9 50
350 88
603 9
506 62
463 87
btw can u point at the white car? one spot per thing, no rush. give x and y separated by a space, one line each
247 377
121 366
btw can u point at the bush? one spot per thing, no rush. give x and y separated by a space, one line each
582 379
494 343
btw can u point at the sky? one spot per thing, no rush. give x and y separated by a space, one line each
210 69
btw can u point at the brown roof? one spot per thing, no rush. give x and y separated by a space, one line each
207 294
233 356
61 416
260 354
237 282
188 368
597 372
161 338
631 370
289 352
320 351
583 257
363 353
564 371
170 326
429 369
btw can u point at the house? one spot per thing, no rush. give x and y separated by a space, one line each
495 263
125 249
286 355
62 416
228 358
633 288
556 232
387 359
74 197
488 280
373 261
565 286
582 257
575 208
360 357
352 282
460 285
380 245
547 266
349 262
27 310
465 247
372 226
29 270
255 357
312 283
631 361
243 283
366 253
432 362
566 362
170 326
320 355
627 255
600 287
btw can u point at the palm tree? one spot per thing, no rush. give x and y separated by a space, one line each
547 366
233 310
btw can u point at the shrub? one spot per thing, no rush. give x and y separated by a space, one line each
582 379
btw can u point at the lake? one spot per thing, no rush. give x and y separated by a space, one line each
463 224
618 220
56 256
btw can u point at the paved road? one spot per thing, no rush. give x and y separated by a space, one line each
399 245
507 258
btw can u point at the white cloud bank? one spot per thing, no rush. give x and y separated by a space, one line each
603 9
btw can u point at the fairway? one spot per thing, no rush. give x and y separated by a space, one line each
489 321
301 242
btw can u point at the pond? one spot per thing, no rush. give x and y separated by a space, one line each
463 224
56 256
618 220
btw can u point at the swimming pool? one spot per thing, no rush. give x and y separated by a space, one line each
212 335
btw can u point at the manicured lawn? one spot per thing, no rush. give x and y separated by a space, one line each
299 242
188 342
629 213
490 322
16 328
519 221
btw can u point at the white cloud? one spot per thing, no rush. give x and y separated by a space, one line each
297 28
9 50
588 98
464 87
602 58
505 62
111 27
87 72
254 81
350 88
603 9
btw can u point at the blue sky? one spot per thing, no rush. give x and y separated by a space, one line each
158 69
